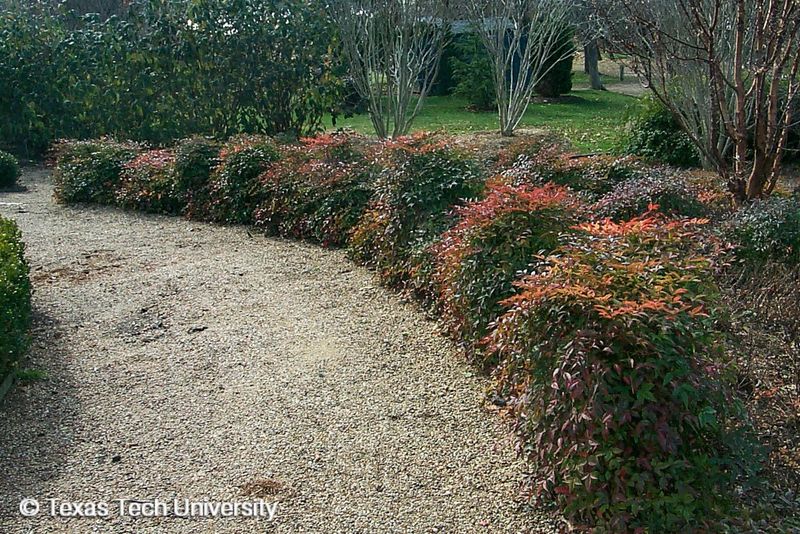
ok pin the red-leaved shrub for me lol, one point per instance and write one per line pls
(148, 183)
(318, 190)
(421, 180)
(610, 364)
(495, 239)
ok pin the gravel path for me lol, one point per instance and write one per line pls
(186, 360)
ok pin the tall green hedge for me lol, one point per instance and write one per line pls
(15, 297)
(163, 70)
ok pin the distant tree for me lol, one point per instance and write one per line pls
(393, 48)
(524, 41)
(728, 70)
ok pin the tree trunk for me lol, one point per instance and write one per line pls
(591, 59)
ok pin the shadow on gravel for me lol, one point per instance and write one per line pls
(37, 419)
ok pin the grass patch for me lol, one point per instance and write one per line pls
(30, 375)
(591, 120)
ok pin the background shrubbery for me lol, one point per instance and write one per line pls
(15, 297)
(602, 337)
(767, 229)
(9, 170)
(161, 70)
(654, 134)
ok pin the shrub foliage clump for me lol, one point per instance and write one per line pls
(420, 183)
(318, 191)
(655, 135)
(235, 189)
(591, 176)
(495, 239)
(660, 186)
(609, 362)
(148, 183)
(9, 170)
(15, 297)
(767, 229)
(195, 159)
(90, 171)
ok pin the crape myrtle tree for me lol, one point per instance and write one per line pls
(393, 48)
(524, 41)
(728, 72)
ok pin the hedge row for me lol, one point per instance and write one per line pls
(15, 298)
(599, 331)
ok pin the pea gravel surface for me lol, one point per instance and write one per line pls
(179, 360)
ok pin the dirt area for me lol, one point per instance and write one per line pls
(625, 82)
(185, 360)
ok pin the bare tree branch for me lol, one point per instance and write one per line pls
(394, 48)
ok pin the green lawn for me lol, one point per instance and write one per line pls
(591, 120)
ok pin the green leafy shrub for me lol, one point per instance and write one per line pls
(767, 229)
(557, 80)
(669, 190)
(495, 239)
(592, 176)
(318, 191)
(148, 183)
(472, 73)
(90, 171)
(162, 70)
(654, 135)
(235, 190)
(610, 362)
(15, 297)
(421, 181)
(9, 170)
(195, 159)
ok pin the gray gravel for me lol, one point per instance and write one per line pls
(193, 361)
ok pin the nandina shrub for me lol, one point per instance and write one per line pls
(421, 181)
(90, 171)
(495, 239)
(9, 170)
(195, 159)
(767, 229)
(670, 190)
(15, 297)
(527, 147)
(318, 190)
(592, 176)
(148, 183)
(235, 189)
(610, 363)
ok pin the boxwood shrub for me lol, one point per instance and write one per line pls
(610, 363)
(9, 170)
(15, 297)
